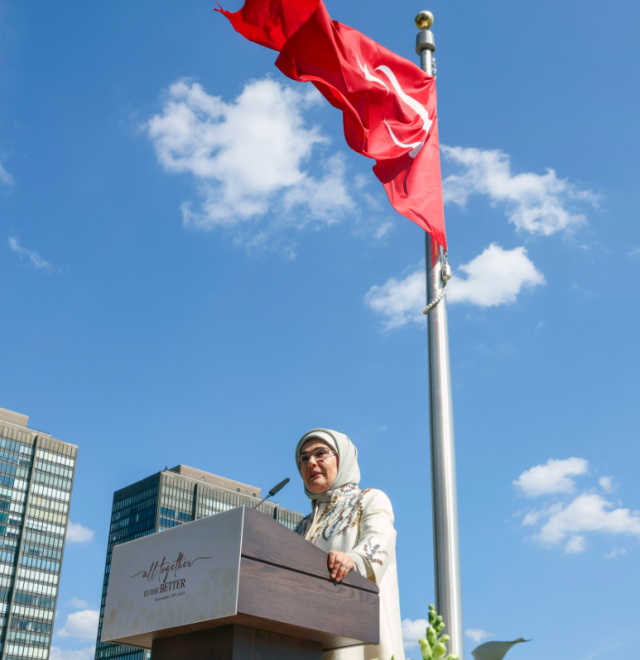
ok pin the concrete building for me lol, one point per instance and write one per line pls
(36, 481)
(167, 499)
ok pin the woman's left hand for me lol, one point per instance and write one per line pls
(340, 563)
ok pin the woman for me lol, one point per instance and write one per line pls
(355, 527)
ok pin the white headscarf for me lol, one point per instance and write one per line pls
(348, 470)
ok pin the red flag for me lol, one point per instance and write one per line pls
(388, 103)
(270, 22)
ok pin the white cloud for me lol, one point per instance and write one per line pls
(82, 624)
(374, 224)
(77, 533)
(588, 512)
(552, 477)
(400, 301)
(607, 485)
(36, 260)
(326, 198)
(534, 516)
(615, 552)
(412, 631)
(5, 177)
(477, 635)
(87, 653)
(494, 277)
(634, 253)
(382, 228)
(79, 604)
(568, 522)
(535, 203)
(247, 156)
(374, 227)
(576, 543)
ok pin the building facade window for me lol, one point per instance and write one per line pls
(36, 481)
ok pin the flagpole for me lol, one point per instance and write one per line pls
(444, 495)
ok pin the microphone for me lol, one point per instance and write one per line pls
(273, 491)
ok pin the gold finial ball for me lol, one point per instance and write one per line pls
(424, 20)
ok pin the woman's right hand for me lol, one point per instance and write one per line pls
(340, 563)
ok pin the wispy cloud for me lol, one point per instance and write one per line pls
(5, 177)
(412, 631)
(536, 203)
(576, 543)
(33, 257)
(87, 653)
(247, 158)
(607, 485)
(634, 253)
(477, 635)
(494, 277)
(615, 553)
(602, 650)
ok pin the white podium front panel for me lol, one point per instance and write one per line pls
(174, 580)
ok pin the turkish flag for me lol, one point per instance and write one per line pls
(388, 103)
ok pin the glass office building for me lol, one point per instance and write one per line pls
(167, 499)
(36, 480)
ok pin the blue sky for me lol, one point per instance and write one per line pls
(195, 269)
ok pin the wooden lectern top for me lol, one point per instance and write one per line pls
(237, 567)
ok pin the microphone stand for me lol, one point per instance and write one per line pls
(273, 491)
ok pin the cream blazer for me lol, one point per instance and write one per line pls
(360, 523)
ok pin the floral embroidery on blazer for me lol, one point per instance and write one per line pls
(303, 526)
(370, 550)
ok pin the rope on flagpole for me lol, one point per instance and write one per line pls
(446, 276)
(433, 303)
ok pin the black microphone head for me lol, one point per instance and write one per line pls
(279, 487)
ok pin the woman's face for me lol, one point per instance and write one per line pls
(319, 465)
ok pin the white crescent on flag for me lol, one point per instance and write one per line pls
(416, 106)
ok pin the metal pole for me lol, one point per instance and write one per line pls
(444, 495)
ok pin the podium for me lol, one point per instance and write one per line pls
(234, 586)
